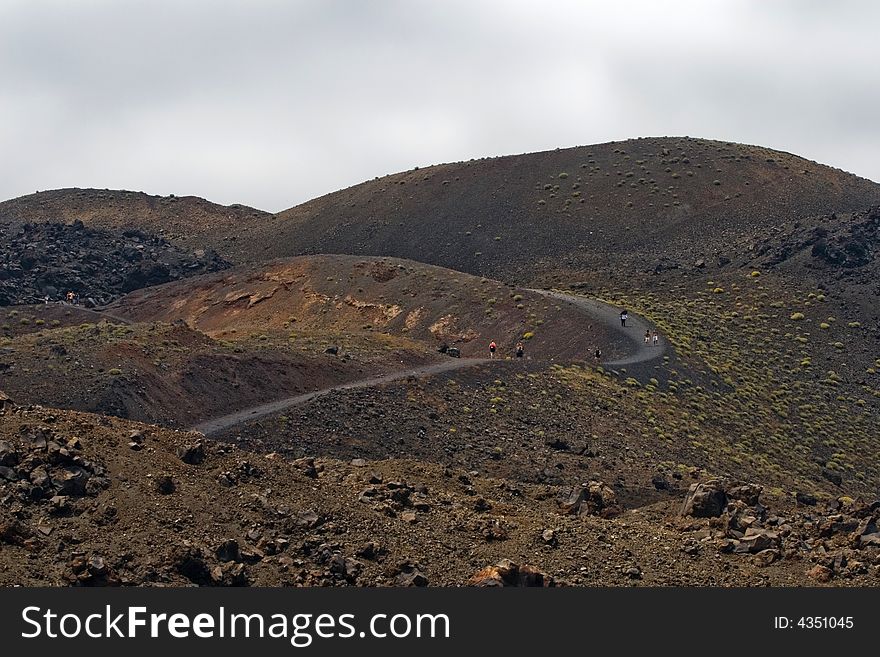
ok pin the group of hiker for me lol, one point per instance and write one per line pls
(652, 338)
(519, 351)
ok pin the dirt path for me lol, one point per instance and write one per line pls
(597, 310)
(610, 316)
(216, 425)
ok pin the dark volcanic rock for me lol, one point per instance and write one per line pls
(705, 500)
(48, 260)
(593, 498)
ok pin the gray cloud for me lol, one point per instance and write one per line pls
(271, 102)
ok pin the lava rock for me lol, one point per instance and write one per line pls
(509, 573)
(593, 498)
(705, 500)
(410, 575)
(192, 454)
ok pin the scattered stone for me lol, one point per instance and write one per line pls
(8, 455)
(48, 259)
(165, 485)
(820, 573)
(306, 465)
(746, 493)
(370, 551)
(192, 453)
(660, 482)
(548, 537)
(633, 572)
(766, 557)
(410, 575)
(509, 573)
(90, 571)
(13, 532)
(755, 540)
(190, 562)
(481, 504)
(136, 440)
(705, 500)
(229, 574)
(228, 551)
(806, 499)
(593, 498)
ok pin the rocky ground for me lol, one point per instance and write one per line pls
(51, 259)
(744, 454)
(93, 501)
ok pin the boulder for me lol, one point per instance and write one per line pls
(509, 573)
(806, 499)
(747, 493)
(820, 573)
(705, 500)
(756, 540)
(165, 485)
(8, 455)
(593, 498)
(192, 453)
(228, 551)
(410, 575)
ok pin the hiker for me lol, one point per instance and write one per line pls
(70, 296)
(492, 348)
(647, 337)
(624, 315)
(598, 354)
(520, 349)
(655, 339)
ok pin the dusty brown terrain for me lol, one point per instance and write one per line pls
(175, 376)
(90, 500)
(350, 294)
(743, 453)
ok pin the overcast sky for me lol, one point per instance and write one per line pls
(272, 102)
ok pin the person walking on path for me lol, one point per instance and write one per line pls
(520, 349)
(492, 348)
(598, 354)
(655, 339)
(647, 337)
(624, 315)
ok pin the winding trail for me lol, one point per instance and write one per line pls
(216, 425)
(609, 315)
(597, 310)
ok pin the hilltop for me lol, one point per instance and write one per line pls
(619, 208)
(331, 295)
(188, 221)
